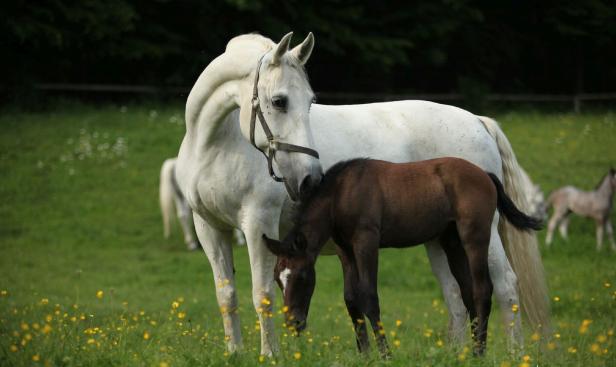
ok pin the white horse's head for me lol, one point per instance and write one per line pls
(284, 97)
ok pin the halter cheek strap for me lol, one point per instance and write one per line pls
(273, 144)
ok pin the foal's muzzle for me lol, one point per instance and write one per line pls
(297, 325)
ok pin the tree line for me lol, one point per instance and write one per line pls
(506, 46)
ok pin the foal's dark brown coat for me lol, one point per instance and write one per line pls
(369, 204)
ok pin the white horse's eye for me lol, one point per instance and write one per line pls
(280, 102)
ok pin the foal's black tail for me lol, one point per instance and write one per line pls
(508, 209)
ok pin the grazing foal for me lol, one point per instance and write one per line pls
(595, 204)
(366, 204)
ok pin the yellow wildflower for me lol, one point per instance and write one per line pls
(24, 326)
(181, 315)
(36, 358)
(163, 364)
(91, 341)
(175, 304)
(439, 343)
(44, 301)
(524, 364)
(397, 343)
(572, 350)
(46, 329)
(14, 348)
(515, 308)
(556, 299)
(535, 337)
(297, 355)
(261, 358)
(595, 348)
(4, 293)
(99, 294)
(266, 301)
(398, 323)
(601, 338)
(526, 358)
(584, 327)
(146, 335)
(551, 346)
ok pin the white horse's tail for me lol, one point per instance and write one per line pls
(521, 247)
(166, 194)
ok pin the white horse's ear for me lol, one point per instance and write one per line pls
(304, 50)
(282, 48)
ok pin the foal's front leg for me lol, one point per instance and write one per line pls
(366, 252)
(352, 300)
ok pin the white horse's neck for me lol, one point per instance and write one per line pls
(222, 87)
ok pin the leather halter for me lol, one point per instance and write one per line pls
(273, 144)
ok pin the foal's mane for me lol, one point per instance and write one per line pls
(327, 183)
(610, 172)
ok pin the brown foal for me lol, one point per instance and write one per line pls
(366, 204)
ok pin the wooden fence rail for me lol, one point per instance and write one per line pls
(575, 99)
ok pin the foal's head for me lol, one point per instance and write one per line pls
(295, 275)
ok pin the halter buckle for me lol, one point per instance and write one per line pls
(273, 144)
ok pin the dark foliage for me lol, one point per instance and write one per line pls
(420, 46)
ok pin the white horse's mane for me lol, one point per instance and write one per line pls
(250, 40)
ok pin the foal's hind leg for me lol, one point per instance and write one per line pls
(352, 299)
(458, 264)
(475, 236)
(560, 211)
(458, 314)
(562, 227)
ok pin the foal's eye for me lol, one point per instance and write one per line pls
(280, 102)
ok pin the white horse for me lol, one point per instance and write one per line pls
(171, 198)
(226, 181)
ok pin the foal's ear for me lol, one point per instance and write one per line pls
(300, 243)
(273, 245)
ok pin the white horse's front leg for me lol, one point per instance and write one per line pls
(262, 263)
(505, 283)
(458, 316)
(217, 247)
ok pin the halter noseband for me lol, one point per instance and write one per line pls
(273, 144)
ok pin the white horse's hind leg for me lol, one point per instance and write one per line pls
(217, 247)
(504, 281)
(262, 263)
(458, 316)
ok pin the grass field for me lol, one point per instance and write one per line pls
(87, 279)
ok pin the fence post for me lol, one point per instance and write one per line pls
(577, 104)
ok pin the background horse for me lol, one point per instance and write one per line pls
(596, 204)
(227, 184)
(367, 204)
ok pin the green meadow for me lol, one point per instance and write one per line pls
(86, 277)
